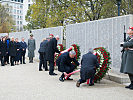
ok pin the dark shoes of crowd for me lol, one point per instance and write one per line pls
(62, 79)
(78, 84)
(130, 87)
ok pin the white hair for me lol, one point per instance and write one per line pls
(72, 52)
(12, 37)
(57, 36)
(91, 50)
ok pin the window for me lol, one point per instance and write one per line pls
(14, 16)
(21, 22)
(21, 6)
(17, 22)
(21, 1)
(14, 10)
(17, 11)
(28, 5)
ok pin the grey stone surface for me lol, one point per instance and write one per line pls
(106, 33)
(25, 82)
(39, 34)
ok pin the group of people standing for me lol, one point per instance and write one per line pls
(89, 61)
(15, 50)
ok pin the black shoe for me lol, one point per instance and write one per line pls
(20, 62)
(131, 88)
(24, 63)
(40, 70)
(8, 63)
(46, 69)
(78, 84)
(2, 65)
(61, 79)
(52, 74)
(69, 78)
(12, 65)
(91, 84)
(128, 86)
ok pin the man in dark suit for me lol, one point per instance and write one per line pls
(23, 47)
(89, 63)
(50, 51)
(12, 50)
(42, 57)
(64, 63)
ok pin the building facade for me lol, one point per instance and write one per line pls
(16, 11)
(27, 4)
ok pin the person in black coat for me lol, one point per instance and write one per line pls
(18, 55)
(89, 63)
(50, 51)
(12, 50)
(3, 51)
(64, 63)
(7, 55)
(42, 55)
(23, 47)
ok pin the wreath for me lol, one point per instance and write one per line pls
(76, 48)
(60, 48)
(104, 61)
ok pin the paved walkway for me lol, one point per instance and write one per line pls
(25, 82)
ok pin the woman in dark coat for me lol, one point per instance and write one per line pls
(18, 54)
(12, 50)
(3, 51)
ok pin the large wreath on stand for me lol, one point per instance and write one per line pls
(104, 60)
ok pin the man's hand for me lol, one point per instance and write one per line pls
(23, 49)
(17, 49)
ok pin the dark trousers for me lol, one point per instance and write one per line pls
(22, 58)
(91, 77)
(31, 59)
(12, 59)
(42, 61)
(3, 59)
(69, 69)
(51, 66)
(131, 78)
(7, 58)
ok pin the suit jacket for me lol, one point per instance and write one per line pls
(3, 48)
(23, 45)
(51, 49)
(43, 46)
(88, 63)
(12, 48)
(65, 61)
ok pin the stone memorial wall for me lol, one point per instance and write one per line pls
(106, 33)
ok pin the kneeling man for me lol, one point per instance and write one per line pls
(89, 63)
(64, 63)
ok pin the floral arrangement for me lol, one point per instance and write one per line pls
(60, 48)
(76, 48)
(104, 60)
